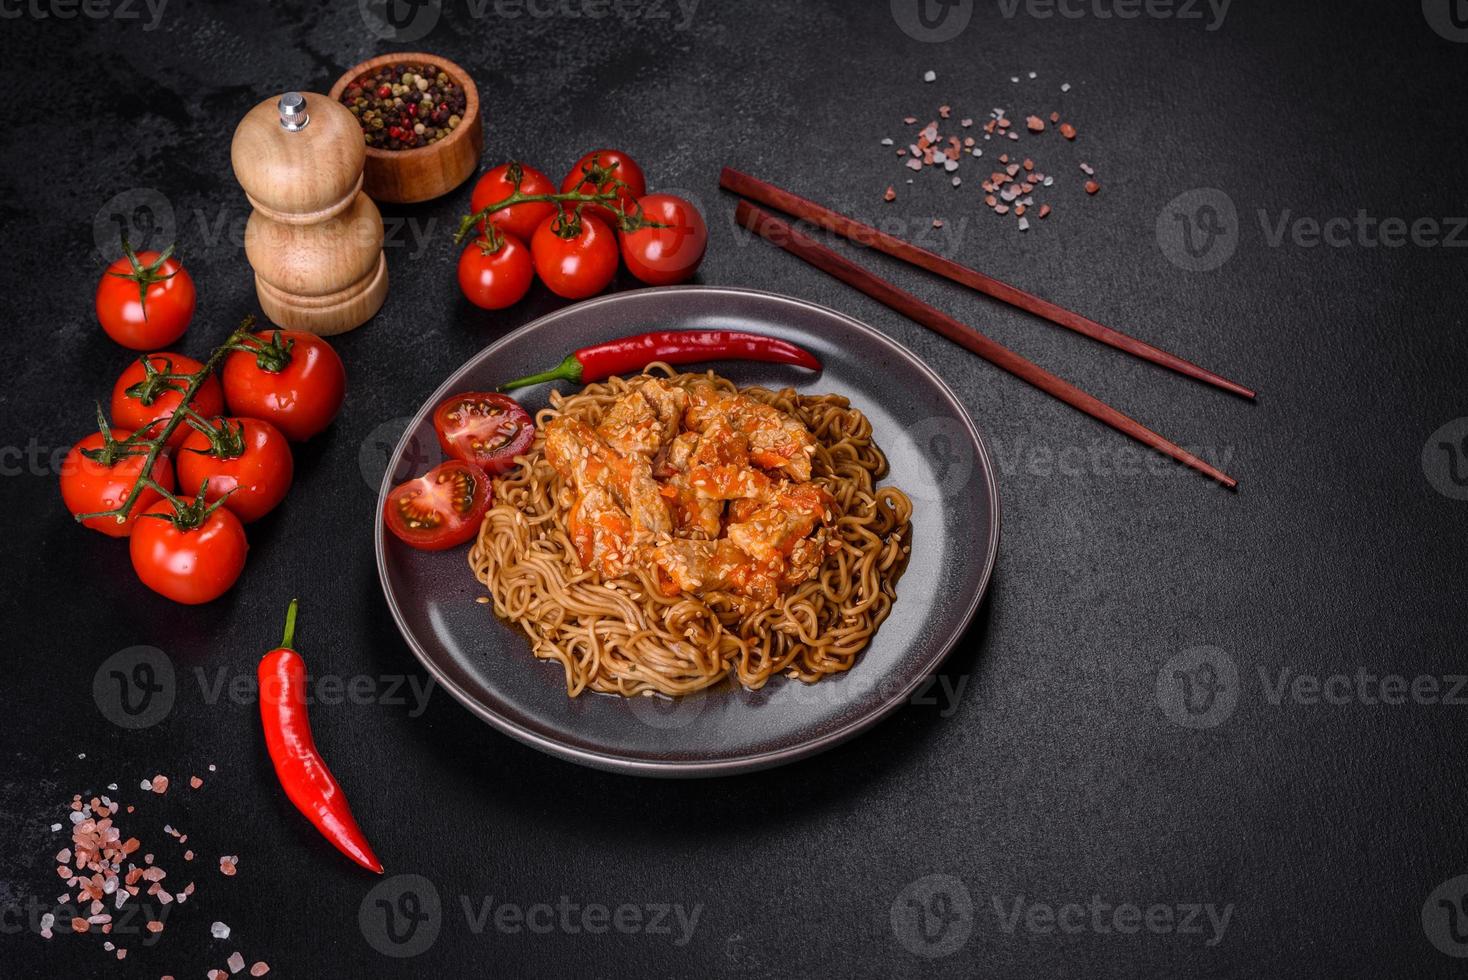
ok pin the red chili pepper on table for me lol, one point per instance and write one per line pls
(302, 772)
(675, 347)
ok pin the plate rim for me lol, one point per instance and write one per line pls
(610, 761)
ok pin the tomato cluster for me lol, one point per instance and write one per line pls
(481, 433)
(278, 385)
(572, 239)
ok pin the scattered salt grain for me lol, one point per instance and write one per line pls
(930, 76)
(219, 930)
(1065, 87)
(259, 969)
(236, 962)
(1024, 224)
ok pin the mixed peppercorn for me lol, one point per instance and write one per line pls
(402, 107)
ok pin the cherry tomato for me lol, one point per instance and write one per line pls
(663, 256)
(579, 266)
(155, 399)
(598, 169)
(493, 280)
(192, 565)
(440, 509)
(252, 458)
(519, 220)
(294, 381)
(484, 428)
(88, 485)
(145, 300)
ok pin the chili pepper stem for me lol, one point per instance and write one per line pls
(290, 625)
(567, 370)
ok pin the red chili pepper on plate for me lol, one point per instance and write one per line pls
(675, 347)
(302, 772)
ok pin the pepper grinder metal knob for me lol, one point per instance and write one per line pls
(293, 114)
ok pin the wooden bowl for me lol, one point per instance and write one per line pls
(424, 172)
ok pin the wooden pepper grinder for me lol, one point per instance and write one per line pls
(314, 239)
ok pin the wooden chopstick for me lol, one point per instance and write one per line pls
(778, 232)
(864, 234)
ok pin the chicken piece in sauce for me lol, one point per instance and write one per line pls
(711, 488)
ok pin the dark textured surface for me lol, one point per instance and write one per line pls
(1056, 775)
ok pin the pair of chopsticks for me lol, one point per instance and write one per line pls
(780, 233)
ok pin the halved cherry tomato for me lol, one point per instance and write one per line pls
(248, 456)
(140, 397)
(671, 254)
(576, 258)
(519, 220)
(189, 565)
(599, 169)
(145, 300)
(484, 428)
(440, 509)
(294, 380)
(89, 485)
(494, 277)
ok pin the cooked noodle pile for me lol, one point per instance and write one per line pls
(624, 636)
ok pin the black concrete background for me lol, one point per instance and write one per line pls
(1055, 775)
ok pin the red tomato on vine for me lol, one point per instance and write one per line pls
(145, 300)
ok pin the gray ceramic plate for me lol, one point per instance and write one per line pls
(937, 457)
